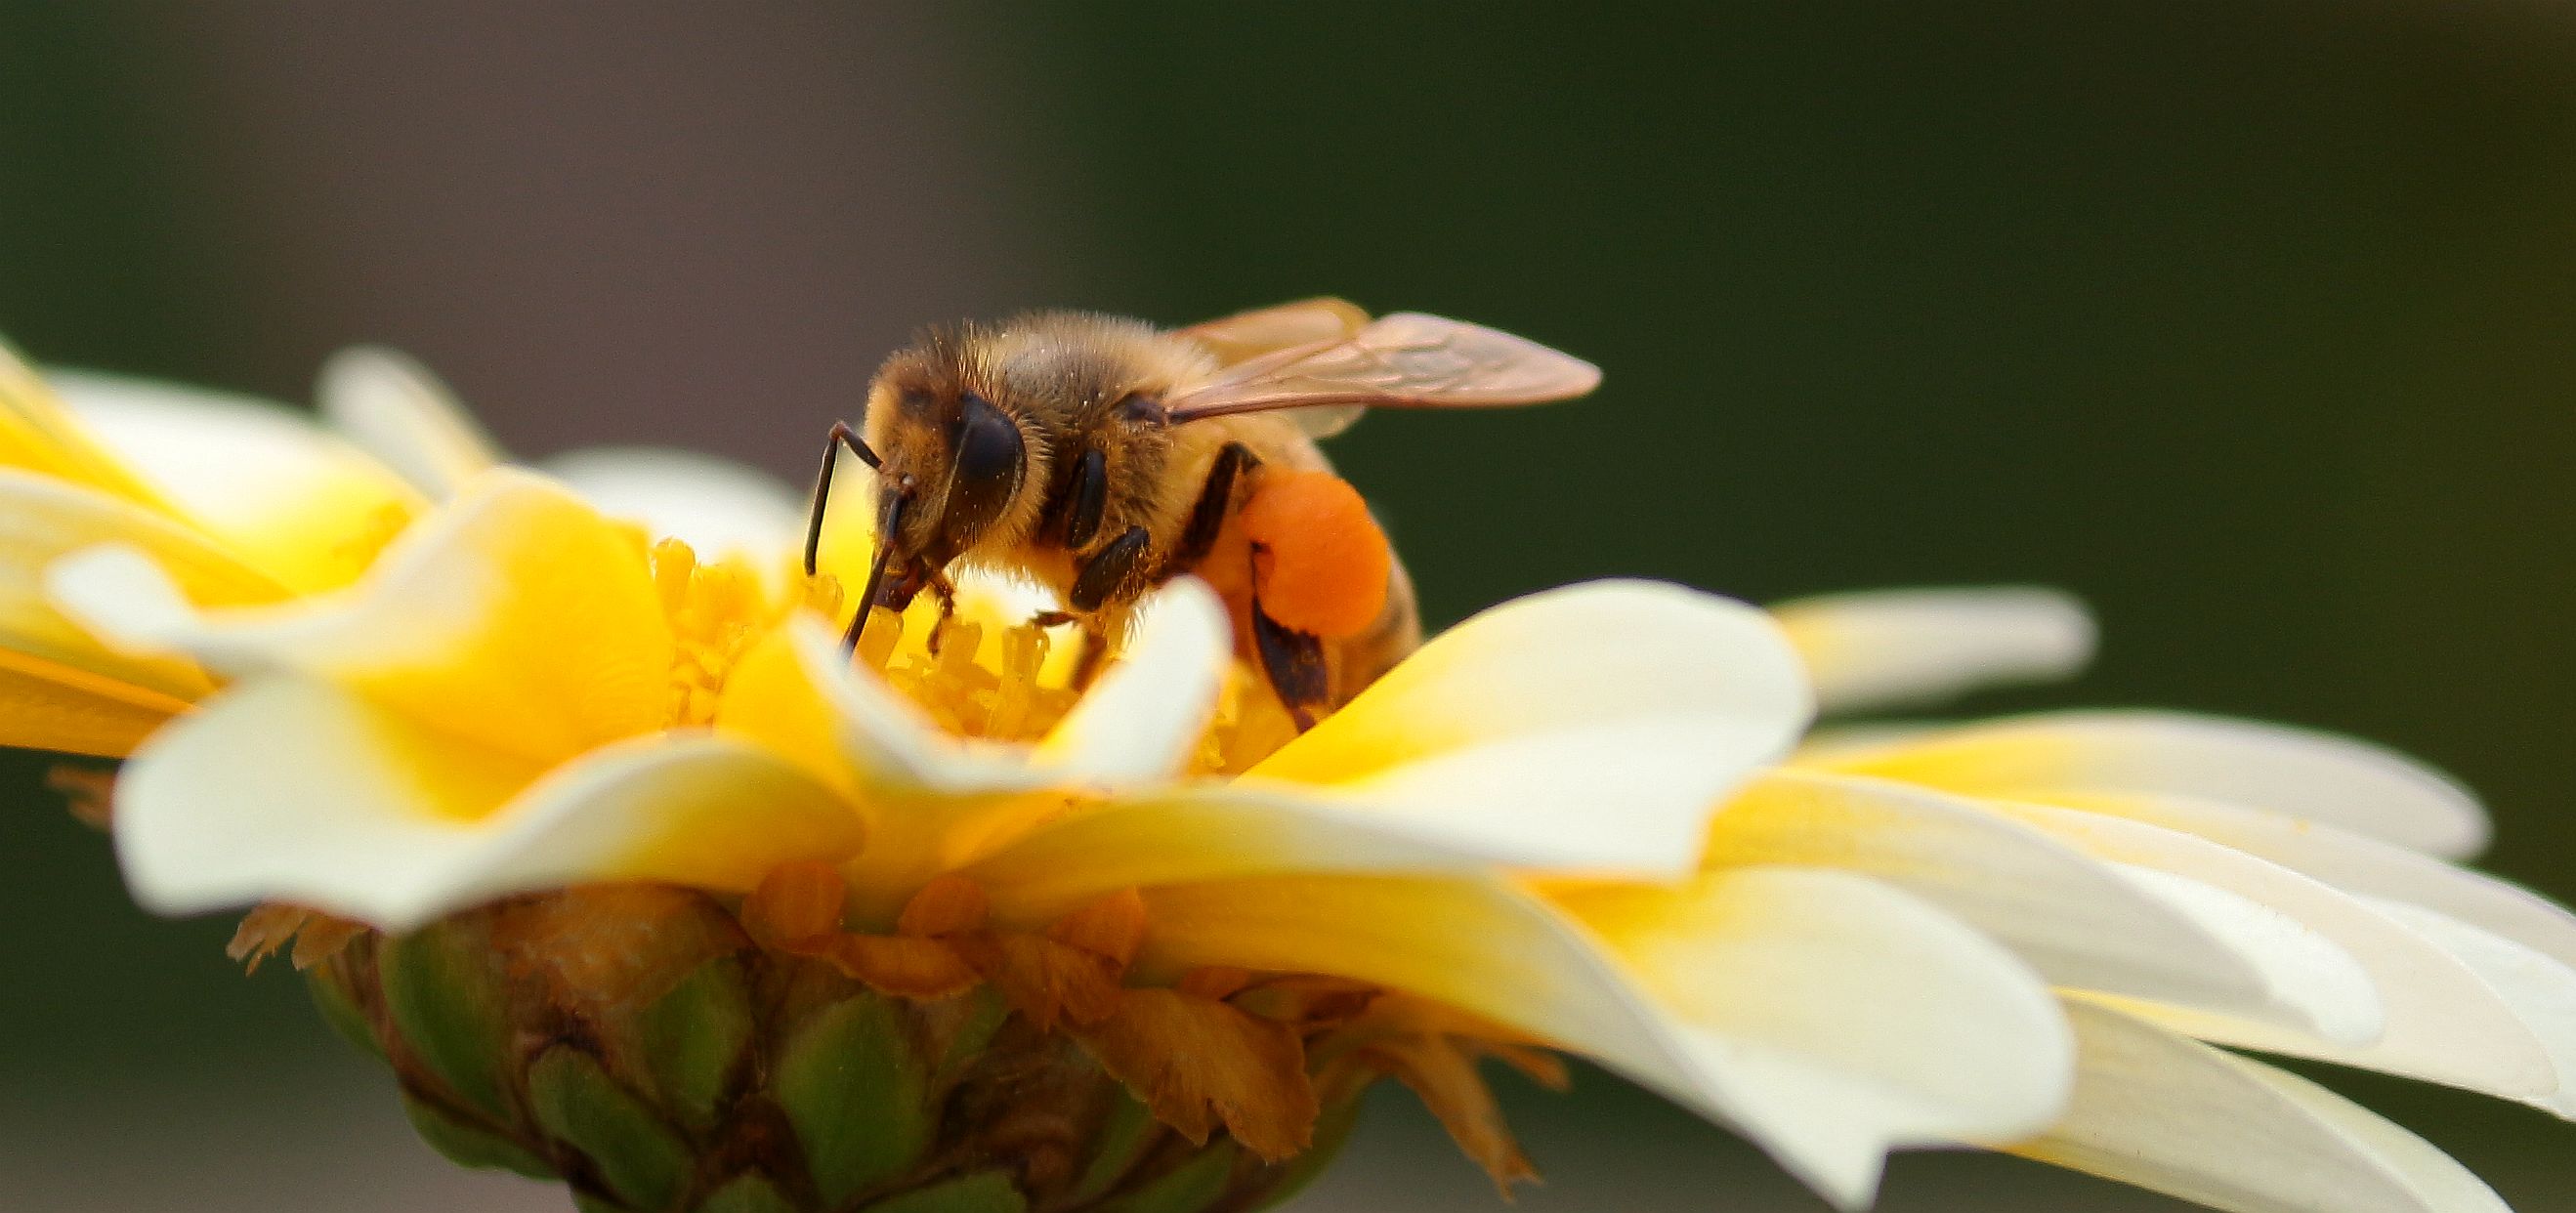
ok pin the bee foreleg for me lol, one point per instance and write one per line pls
(1110, 572)
(945, 591)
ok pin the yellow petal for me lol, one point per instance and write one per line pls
(292, 790)
(39, 435)
(1180, 838)
(393, 407)
(516, 617)
(45, 706)
(43, 520)
(770, 698)
(2168, 1114)
(1833, 1017)
(276, 489)
(936, 799)
(1588, 729)
(1893, 648)
(2336, 780)
(1140, 720)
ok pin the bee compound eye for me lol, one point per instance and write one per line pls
(991, 458)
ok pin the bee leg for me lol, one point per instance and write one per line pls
(1207, 517)
(842, 437)
(1110, 571)
(1052, 619)
(1293, 661)
(945, 591)
(1095, 654)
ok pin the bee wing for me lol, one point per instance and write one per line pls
(1244, 336)
(1404, 360)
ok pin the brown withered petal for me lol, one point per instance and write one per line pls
(1214, 981)
(1111, 927)
(897, 964)
(1442, 1071)
(263, 931)
(322, 938)
(1047, 982)
(796, 901)
(1188, 1058)
(90, 792)
(948, 905)
(1538, 1065)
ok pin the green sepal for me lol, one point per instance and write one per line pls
(751, 1193)
(342, 1012)
(584, 1202)
(444, 997)
(696, 1036)
(1123, 1138)
(1190, 1187)
(469, 1145)
(986, 1010)
(982, 1192)
(640, 1159)
(854, 1091)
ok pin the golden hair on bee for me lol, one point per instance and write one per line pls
(1101, 457)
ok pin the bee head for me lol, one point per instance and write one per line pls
(955, 466)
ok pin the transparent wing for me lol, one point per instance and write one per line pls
(1405, 360)
(1244, 336)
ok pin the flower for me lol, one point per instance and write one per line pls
(592, 831)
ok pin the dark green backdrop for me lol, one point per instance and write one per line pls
(2249, 322)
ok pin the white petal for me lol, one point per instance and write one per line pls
(280, 491)
(2357, 863)
(1140, 719)
(1834, 1017)
(285, 789)
(1893, 648)
(2443, 1023)
(2303, 968)
(393, 407)
(718, 507)
(1588, 729)
(2164, 1113)
(2336, 780)
(2079, 921)
(2540, 989)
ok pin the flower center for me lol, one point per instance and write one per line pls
(715, 611)
(990, 671)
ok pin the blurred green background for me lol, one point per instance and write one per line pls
(2250, 322)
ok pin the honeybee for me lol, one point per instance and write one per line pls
(1101, 457)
